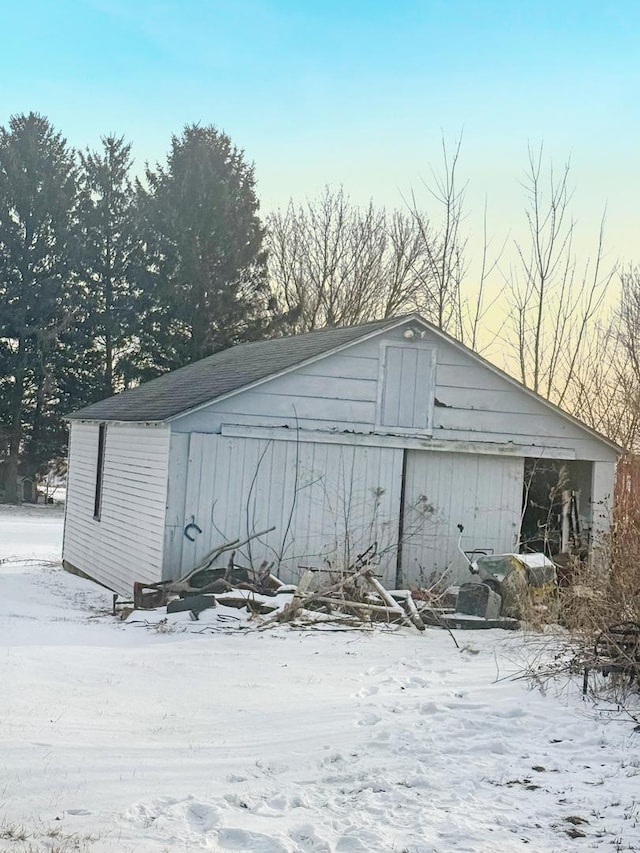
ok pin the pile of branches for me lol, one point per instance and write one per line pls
(355, 592)
(203, 586)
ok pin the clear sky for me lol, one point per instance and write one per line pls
(352, 92)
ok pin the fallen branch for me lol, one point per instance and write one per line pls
(395, 612)
(389, 601)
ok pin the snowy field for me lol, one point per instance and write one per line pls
(120, 737)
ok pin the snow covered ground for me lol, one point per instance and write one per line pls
(120, 737)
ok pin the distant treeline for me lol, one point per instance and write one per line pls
(107, 280)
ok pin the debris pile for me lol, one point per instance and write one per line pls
(355, 593)
(353, 597)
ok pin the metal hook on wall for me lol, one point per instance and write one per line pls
(192, 526)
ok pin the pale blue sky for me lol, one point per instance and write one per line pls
(350, 92)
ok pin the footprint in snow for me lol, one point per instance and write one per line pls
(430, 708)
(363, 842)
(417, 681)
(145, 814)
(371, 690)
(307, 841)
(202, 817)
(369, 720)
(241, 841)
(236, 777)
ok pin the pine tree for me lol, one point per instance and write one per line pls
(111, 261)
(207, 278)
(38, 251)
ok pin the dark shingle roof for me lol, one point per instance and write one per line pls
(229, 370)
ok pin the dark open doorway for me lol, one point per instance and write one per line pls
(556, 506)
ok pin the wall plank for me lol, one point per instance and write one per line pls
(340, 393)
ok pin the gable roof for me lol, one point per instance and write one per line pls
(241, 366)
(204, 381)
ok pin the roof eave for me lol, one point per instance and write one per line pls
(390, 326)
(119, 421)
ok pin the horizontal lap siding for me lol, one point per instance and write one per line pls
(126, 544)
(340, 392)
(475, 404)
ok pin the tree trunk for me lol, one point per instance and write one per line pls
(15, 432)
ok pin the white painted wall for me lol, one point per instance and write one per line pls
(344, 393)
(212, 478)
(320, 495)
(316, 495)
(602, 493)
(126, 544)
(406, 387)
(483, 493)
(341, 392)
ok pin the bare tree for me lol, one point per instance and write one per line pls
(607, 395)
(440, 277)
(555, 302)
(597, 396)
(453, 292)
(332, 263)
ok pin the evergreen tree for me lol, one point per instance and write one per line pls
(207, 277)
(38, 253)
(110, 258)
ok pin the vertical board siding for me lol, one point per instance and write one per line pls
(325, 501)
(483, 493)
(393, 393)
(602, 501)
(423, 391)
(126, 543)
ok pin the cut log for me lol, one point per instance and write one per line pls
(406, 599)
(393, 613)
(292, 609)
(388, 600)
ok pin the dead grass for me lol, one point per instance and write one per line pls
(17, 838)
(601, 593)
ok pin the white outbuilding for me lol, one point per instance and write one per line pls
(390, 433)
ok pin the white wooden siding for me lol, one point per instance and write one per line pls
(341, 392)
(406, 392)
(231, 484)
(442, 490)
(126, 544)
(316, 495)
(602, 491)
(474, 403)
